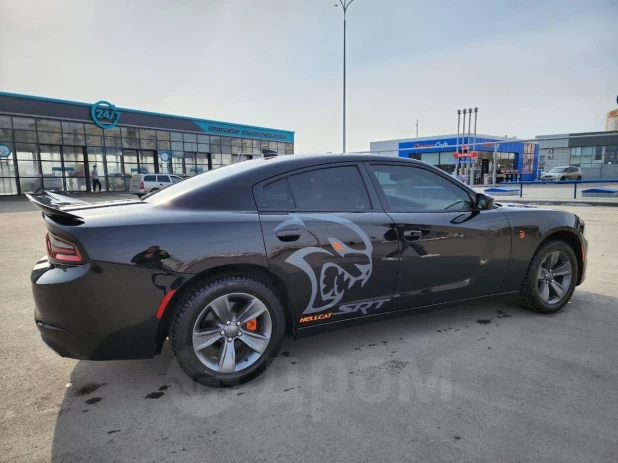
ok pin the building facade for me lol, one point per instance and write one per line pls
(595, 152)
(514, 159)
(48, 144)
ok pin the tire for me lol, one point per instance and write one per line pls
(153, 190)
(579, 177)
(562, 179)
(533, 288)
(195, 314)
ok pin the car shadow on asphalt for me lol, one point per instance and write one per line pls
(149, 410)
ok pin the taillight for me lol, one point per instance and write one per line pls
(62, 250)
(141, 185)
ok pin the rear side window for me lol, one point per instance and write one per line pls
(331, 189)
(278, 195)
(163, 178)
(150, 178)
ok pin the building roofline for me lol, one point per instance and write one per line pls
(440, 137)
(137, 111)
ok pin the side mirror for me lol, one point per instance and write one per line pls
(484, 202)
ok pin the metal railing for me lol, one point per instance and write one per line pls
(555, 183)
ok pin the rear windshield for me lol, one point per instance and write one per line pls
(216, 175)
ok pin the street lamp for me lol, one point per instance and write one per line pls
(345, 4)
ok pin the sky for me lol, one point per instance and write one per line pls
(531, 67)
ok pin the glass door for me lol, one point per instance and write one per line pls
(74, 169)
(51, 168)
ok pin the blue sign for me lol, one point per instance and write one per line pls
(105, 114)
(5, 151)
(244, 131)
(164, 156)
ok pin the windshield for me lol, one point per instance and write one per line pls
(177, 189)
(557, 170)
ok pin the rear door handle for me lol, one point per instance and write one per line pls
(289, 234)
(412, 235)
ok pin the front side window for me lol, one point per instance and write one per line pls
(163, 178)
(410, 188)
(332, 189)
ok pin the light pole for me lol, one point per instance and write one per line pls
(345, 4)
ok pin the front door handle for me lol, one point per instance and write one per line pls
(289, 234)
(412, 235)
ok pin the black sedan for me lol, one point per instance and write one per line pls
(228, 263)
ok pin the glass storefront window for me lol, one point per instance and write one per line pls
(94, 140)
(76, 128)
(24, 123)
(129, 132)
(27, 160)
(73, 139)
(147, 133)
(146, 162)
(5, 122)
(175, 136)
(203, 148)
(164, 145)
(92, 129)
(50, 153)
(150, 143)
(130, 143)
(587, 153)
(6, 135)
(216, 158)
(25, 136)
(113, 140)
(215, 149)
(95, 156)
(189, 137)
(611, 154)
(130, 156)
(190, 146)
(8, 186)
(50, 138)
(236, 149)
(227, 158)
(177, 167)
(599, 155)
(226, 141)
(247, 146)
(201, 159)
(177, 146)
(215, 140)
(203, 139)
(47, 125)
(163, 136)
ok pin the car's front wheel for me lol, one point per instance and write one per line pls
(227, 330)
(579, 177)
(562, 178)
(551, 278)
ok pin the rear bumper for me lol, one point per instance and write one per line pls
(99, 311)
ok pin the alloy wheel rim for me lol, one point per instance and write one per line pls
(221, 339)
(555, 277)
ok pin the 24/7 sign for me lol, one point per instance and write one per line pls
(105, 115)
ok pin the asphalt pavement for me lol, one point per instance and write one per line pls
(480, 382)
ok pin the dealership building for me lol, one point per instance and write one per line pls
(49, 144)
(515, 160)
(595, 152)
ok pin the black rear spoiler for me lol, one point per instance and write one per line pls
(51, 204)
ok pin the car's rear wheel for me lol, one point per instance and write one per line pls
(551, 278)
(227, 330)
(579, 177)
(153, 190)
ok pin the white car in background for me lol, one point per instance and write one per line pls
(563, 173)
(142, 184)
